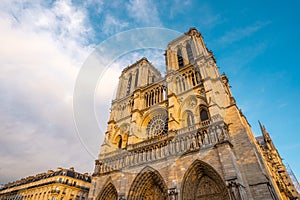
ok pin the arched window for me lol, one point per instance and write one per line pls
(178, 83)
(193, 78)
(189, 53)
(183, 83)
(203, 114)
(119, 140)
(129, 84)
(146, 98)
(179, 58)
(136, 78)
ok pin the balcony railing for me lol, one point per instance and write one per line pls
(194, 138)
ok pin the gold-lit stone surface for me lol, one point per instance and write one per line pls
(53, 185)
(182, 136)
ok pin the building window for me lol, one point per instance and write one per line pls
(178, 84)
(136, 78)
(203, 114)
(189, 53)
(179, 58)
(154, 96)
(119, 141)
(129, 84)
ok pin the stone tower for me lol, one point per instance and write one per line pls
(181, 136)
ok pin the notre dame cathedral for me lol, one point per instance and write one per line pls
(183, 137)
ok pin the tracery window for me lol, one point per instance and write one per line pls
(179, 58)
(158, 125)
(189, 53)
(129, 84)
(154, 96)
(186, 80)
(136, 78)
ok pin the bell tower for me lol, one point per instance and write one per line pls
(182, 136)
(192, 71)
(126, 108)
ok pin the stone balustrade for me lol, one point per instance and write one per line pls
(190, 139)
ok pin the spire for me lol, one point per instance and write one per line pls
(266, 136)
(264, 132)
(261, 126)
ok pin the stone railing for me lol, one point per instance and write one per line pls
(181, 142)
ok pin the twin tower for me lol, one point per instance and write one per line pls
(182, 136)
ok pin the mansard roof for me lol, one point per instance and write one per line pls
(59, 172)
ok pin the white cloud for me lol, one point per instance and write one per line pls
(113, 25)
(178, 7)
(42, 49)
(43, 46)
(144, 12)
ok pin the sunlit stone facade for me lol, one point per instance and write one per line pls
(62, 184)
(182, 136)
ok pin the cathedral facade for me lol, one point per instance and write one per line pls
(182, 136)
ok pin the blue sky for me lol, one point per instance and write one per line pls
(45, 43)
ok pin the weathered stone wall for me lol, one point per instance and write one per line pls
(220, 152)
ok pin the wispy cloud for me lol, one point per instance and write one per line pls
(113, 25)
(176, 7)
(239, 33)
(244, 55)
(282, 105)
(144, 12)
(44, 45)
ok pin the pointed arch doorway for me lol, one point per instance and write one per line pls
(148, 185)
(109, 192)
(202, 182)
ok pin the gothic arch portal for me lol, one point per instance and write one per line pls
(148, 185)
(202, 182)
(109, 192)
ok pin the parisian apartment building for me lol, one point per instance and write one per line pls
(61, 184)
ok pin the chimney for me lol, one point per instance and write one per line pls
(58, 169)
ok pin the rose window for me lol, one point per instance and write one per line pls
(158, 125)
